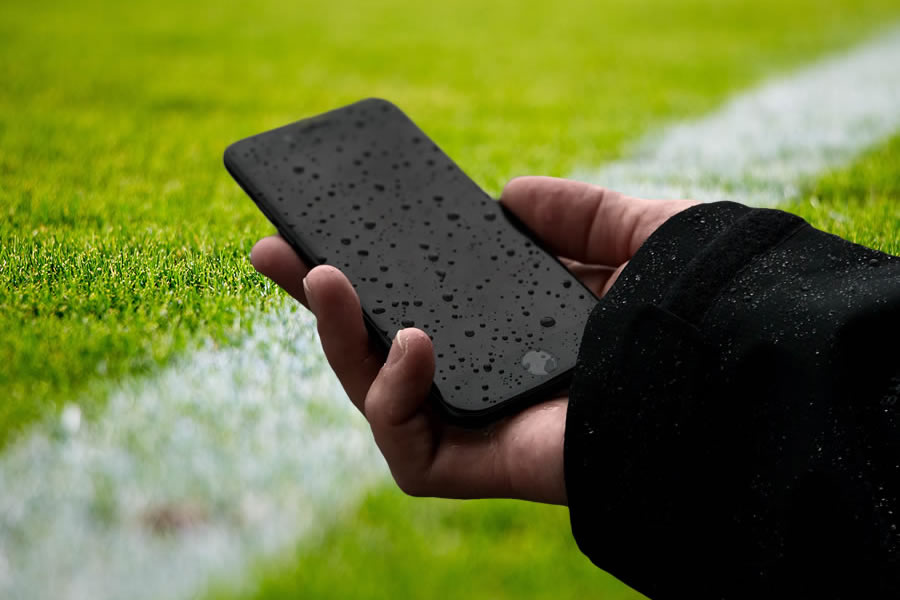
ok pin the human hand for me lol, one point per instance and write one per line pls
(594, 231)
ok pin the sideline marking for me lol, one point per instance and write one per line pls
(231, 455)
(764, 144)
(221, 459)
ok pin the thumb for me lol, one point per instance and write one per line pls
(403, 383)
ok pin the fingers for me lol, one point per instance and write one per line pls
(345, 340)
(521, 457)
(328, 294)
(274, 258)
(585, 222)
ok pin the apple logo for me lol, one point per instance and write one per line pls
(538, 362)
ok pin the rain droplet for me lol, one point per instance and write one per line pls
(453, 216)
(447, 297)
(369, 225)
(469, 333)
(407, 322)
(377, 311)
(345, 241)
(548, 321)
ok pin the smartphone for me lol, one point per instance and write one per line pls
(362, 188)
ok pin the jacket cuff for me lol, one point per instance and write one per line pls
(632, 448)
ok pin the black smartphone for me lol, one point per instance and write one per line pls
(362, 188)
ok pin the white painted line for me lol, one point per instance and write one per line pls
(760, 147)
(221, 459)
(235, 453)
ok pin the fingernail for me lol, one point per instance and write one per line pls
(308, 294)
(398, 348)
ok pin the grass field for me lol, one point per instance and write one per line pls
(124, 243)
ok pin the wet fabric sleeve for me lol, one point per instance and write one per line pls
(732, 427)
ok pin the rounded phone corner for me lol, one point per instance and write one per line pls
(380, 103)
(231, 154)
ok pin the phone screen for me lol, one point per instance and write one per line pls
(364, 189)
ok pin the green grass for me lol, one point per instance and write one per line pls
(860, 203)
(122, 238)
(400, 547)
(123, 241)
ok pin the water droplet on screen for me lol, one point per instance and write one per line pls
(377, 310)
(447, 297)
(469, 333)
(548, 321)
(567, 284)
(453, 216)
(369, 225)
(379, 187)
(490, 217)
(345, 241)
(407, 322)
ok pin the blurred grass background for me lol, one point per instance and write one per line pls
(123, 241)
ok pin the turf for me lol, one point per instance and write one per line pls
(396, 546)
(123, 241)
(860, 203)
(402, 547)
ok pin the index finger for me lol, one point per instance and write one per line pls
(273, 257)
(586, 222)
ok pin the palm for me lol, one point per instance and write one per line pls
(593, 231)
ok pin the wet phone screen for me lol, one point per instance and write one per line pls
(362, 188)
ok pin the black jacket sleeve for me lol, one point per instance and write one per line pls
(732, 427)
